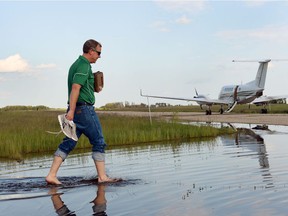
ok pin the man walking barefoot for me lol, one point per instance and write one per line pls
(81, 99)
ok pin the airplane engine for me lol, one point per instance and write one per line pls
(259, 94)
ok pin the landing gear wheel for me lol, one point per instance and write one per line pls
(208, 112)
(264, 111)
(221, 111)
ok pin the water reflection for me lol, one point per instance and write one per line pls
(248, 139)
(59, 206)
(244, 173)
(98, 208)
(248, 136)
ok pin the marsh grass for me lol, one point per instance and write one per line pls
(24, 132)
(129, 130)
(240, 108)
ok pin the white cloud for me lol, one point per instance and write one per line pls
(16, 63)
(2, 79)
(187, 7)
(255, 3)
(161, 26)
(183, 20)
(182, 6)
(46, 66)
(275, 33)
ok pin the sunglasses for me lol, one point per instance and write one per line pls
(99, 53)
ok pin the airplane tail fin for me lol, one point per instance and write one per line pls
(261, 74)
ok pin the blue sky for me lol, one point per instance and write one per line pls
(165, 48)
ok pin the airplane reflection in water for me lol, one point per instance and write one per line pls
(247, 138)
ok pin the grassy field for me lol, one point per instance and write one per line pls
(24, 132)
(245, 108)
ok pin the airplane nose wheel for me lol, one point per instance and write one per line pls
(264, 111)
(208, 112)
(221, 111)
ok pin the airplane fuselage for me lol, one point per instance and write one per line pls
(241, 93)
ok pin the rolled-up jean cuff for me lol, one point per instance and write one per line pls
(99, 208)
(61, 154)
(98, 156)
(64, 211)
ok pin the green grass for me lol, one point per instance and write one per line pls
(129, 130)
(24, 132)
(245, 108)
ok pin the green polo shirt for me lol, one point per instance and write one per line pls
(80, 72)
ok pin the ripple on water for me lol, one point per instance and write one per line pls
(240, 174)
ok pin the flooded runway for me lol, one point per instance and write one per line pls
(241, 174)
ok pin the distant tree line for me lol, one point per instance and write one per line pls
(126, 104)
(115, 105)
(10, 108)
(280, 101)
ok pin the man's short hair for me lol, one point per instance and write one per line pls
(90, 44)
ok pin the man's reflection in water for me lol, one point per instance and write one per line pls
(59, 206)
(100, 201)
(99, 207)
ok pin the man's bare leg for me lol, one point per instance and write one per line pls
(51, 177)
(102, 177)
(100, 197)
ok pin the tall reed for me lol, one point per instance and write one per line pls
(24, 132)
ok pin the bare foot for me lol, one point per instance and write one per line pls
(109, 180)
(52, 180)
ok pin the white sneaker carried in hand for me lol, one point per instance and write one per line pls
(67, 127)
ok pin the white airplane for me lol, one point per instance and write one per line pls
(231, 95)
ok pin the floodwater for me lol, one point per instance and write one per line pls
(241, 174)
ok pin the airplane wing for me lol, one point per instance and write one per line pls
(200, 100)
(267, 99)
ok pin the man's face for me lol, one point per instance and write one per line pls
(95, 53)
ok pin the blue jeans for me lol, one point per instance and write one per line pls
(87, 123)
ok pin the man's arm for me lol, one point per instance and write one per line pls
(73, 100)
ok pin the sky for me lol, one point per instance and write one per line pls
(167, 48)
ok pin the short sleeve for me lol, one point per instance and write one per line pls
(81, 75)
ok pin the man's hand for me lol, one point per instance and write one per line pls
(70, 115)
